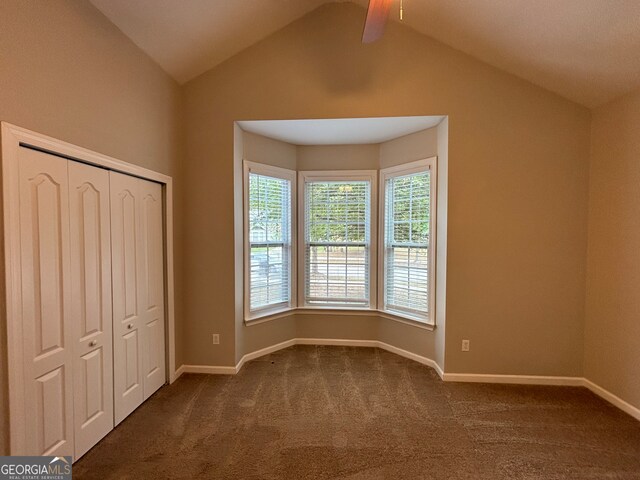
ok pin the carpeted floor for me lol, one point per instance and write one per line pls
(312, 412)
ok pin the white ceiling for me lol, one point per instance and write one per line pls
(339, 131)
(189, 37)
(585, 50)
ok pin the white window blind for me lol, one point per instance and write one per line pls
(337, 242)
(269, 225)
(407, 236)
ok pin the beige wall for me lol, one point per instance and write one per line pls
(260, 149)
(612, 333)
(518, 166)
(416, 146)
(338, 157)
(405, 149)
(348, 327)
(67, 72)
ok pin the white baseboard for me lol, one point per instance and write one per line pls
(338, 342)
(210, 369)
(179, 371)
(374, 344)
(513, 379)
(230, 370)
(264, 351)
(612, 399)
(411, 356)
(545, 380)
(447, 377)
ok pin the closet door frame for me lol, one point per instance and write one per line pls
(14, 138)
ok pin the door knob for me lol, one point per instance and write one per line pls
(93, 343)
(130, 326)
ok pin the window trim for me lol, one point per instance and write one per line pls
(284, 174)
(336, 176)
(417, 166)
(377, 179)
(342, 312)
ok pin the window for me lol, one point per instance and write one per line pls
(336, 238)
(408, 240)
(330, 254)
(269, 259)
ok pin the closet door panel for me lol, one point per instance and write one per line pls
(91, 303)
(47, 332)
(128, 326)
(152, 286)
(51, 414)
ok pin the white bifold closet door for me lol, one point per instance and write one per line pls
(66, 302)
(91, 277)
(138, 291)
(90, 240)
(47, 334)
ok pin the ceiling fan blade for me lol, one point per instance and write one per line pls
(377, 16)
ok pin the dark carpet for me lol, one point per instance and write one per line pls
(312, 412)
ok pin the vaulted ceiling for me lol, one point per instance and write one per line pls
(585, 50)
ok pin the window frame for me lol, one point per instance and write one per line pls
(370, 176)
(418, 166)
(290, 176)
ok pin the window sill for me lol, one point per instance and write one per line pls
(270, 315)
(359, 312)
(406, 319)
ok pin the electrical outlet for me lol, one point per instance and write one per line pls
(215, 337)
(465, 345)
